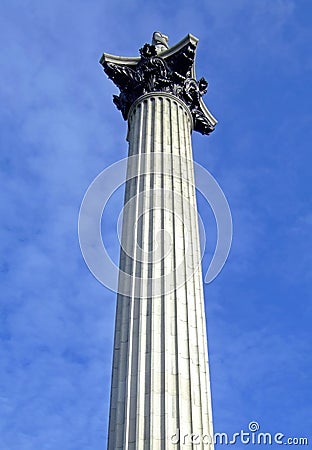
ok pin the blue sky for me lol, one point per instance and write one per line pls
(59, 129)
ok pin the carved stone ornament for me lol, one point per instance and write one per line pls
(161, 69)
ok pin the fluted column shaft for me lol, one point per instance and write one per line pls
(160, 380)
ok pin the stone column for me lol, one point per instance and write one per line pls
(160, 381)
(160, 395)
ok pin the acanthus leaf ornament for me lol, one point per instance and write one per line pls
(161, 69)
